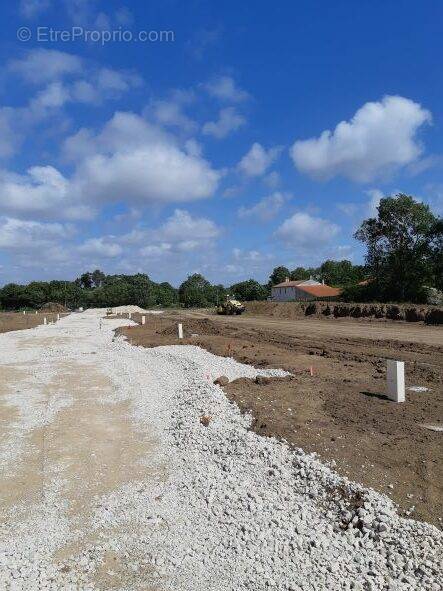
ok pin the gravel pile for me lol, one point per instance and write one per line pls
(221, 508)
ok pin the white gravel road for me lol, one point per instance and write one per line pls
(109, 481)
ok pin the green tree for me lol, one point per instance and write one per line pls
(401, 243)
(12, 296)
(278, 275)
(195, 291)
(341, 273)
(166, 295)
(98, 278)
(437, 253)
(248, 291)
(300, 273)
(85, 281)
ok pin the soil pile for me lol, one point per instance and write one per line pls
(404, 312)
(54, 307)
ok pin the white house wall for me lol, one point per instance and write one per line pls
(289, 294)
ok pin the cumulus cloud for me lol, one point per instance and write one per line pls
(245, 262)
(181, 233)
(381, 137)
(138, 162)
(41, 189)
(63, 79)
(169, 112)
(22, 235)
(101, 247)
(257, 161)
(39, 66)
(266, 209)
(224, 88)
(67, 78)
(182, 227)
(130, 160)
(228, 121)
(307, 231)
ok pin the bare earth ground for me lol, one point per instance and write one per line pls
(340, 411)
(19, 321)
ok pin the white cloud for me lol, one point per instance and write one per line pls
(266, 209)
(170, 113)
(307, 231)
(117, 81)
(130, 160)
(155, 172)
(66, 78)
(272, 179)
(39, 66)
(367, 209)
(102, 247)
(43, 188)
(156, 251)
(380, 138)
(32, 8)
(228, 120)
(54, 96)
(257, 161)
(22, 235)
(250, 256)
(224, 88)
(49, 69)
(374, 201)
(182, 227)
(10, 133)
(181, 233)
(247, 263)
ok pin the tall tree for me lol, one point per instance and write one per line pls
(341, 273)
(248, 291)
(278, 275)
(300, 273)
(195, 291)
(400, 248)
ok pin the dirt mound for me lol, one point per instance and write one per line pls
(434, 316)
(53, 307)
(293, 310)
(190, 327)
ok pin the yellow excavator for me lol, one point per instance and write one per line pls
(230, 307)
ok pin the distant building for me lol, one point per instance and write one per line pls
(303, 290)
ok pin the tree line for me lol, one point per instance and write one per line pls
(96, 289)
(404, 259)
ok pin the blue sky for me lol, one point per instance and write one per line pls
(216, 137)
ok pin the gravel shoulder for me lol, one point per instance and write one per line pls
(121, 486)
(339, 412)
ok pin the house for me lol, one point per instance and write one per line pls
(302, 290)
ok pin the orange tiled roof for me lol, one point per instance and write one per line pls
(320, 290)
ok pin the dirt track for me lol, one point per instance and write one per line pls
(330, 328)
(341, 411)
(18, 321)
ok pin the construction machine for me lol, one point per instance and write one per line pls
(230, 307)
